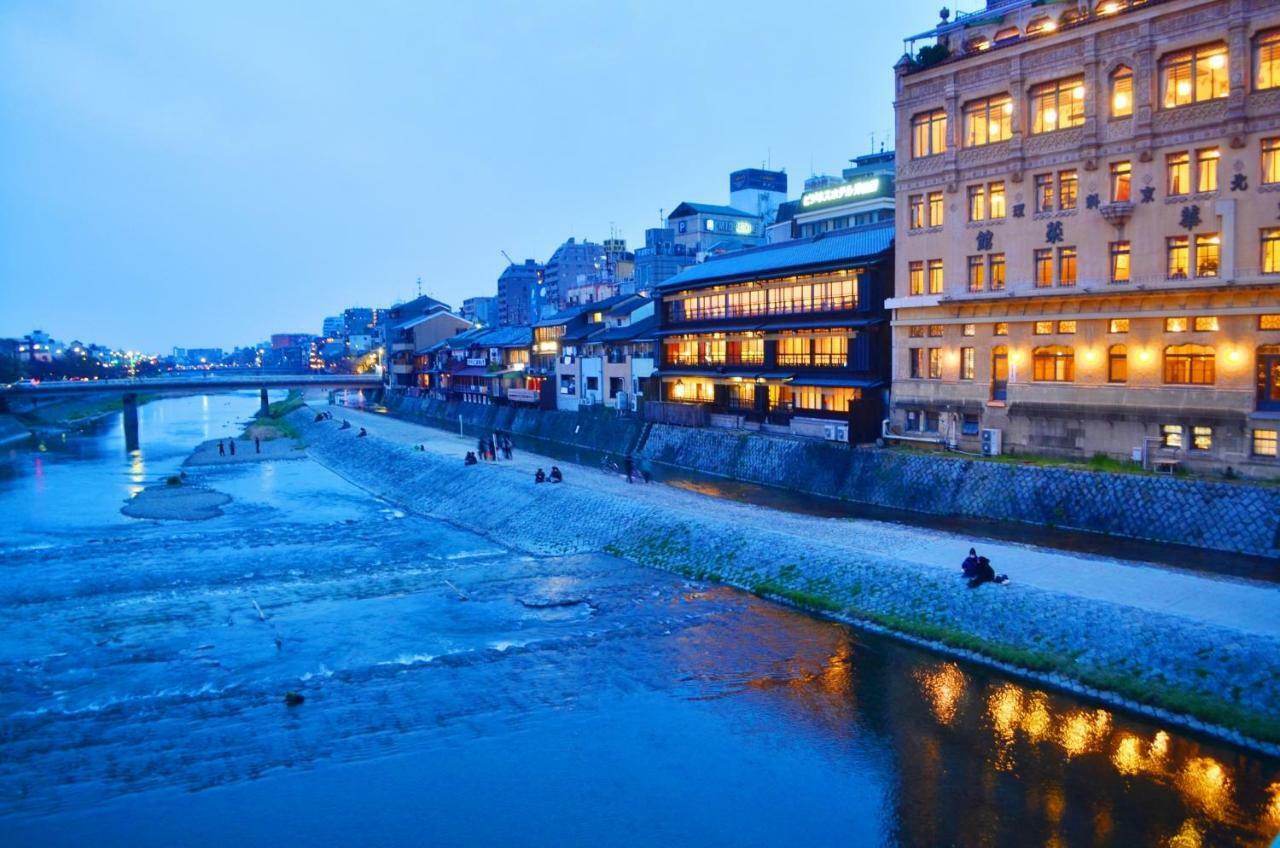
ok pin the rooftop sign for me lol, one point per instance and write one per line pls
(869, 187)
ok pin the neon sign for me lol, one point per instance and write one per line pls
(847, 191)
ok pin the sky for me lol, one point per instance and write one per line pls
(203, 174)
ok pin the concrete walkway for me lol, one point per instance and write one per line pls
(1232, 603)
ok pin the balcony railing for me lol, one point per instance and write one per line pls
(794, 307)
(813, 360)
(714, 361)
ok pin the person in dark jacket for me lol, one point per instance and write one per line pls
(556, 476)
(471, 458)
(986, 574)
(540, 477)
(970, 564)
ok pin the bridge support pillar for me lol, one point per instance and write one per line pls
(130, 402)
(266, 404)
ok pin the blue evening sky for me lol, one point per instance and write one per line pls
(206, 173)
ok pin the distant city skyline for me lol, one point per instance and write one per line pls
(203, 175)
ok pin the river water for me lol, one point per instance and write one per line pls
(460, 694)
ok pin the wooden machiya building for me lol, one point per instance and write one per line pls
(792, 337)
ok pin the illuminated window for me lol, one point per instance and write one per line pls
(1118, 325)
(1271, 250)
(1269, 322)
(1007, 34)
(929, 133)
(1118, 364)
(935, 208)
(916, 332)
(935, 363)
(1043, 328)
(977, 273)
(1122, 92)
(1044, 192)
(1207, 169)
(996, 204)
(1175, 325)
(1171, 435)
(1189, 364)
(1178, 170)
(1120, 261)
(1054, 364)
(1057, 105)
(1068, 327)
(977, 203)
(1271, 161)
(935, 276)
(1266, 442)
(1043, 260)
(1041, 25)
(937, 331)
(1068, 186)
(969, 330)
(988, 120)
(916, 204)
(915, 274)
(997, 271)
(1000, 328)
(966, 363)
(1121, 176)
(1266, 60)
(1205, 324)
(1207, 248)
(1194, 76)
(1066, 266)
(1177, 248)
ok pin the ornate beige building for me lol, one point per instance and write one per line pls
(1088, 232)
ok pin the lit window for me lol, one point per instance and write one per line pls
(1207, 169)
(1202, 438)
(977, 203)
(1189, 364)
(1054, 364)
(1177, 249)
(1066, 266)
(916, 332)
(1266, 60)
(1175, 325)
(1194, 76)
(969, 330)
(1178, 169)
(1270, 161)
(935, 276)
(929, 133)
(1171, 435)
(988, 120)
(1068, 186)
(935, 363)
(935, 208)
(1043, 259)
(916, 205)
(997, 272)
(1044, 192)
(1043, 328)
(1271, 250)
(966, 363)
(937, 331)
(1207, 246)
(915, 359)
(1121, 177)
(1068, 327)
(996, 205)
(1206, 324)
(1120, 257)
(1000, 328)
(1269, 322)
(1122, 92)
(977, 273)
(1057, 105)
(1118, 325)
(1266, 442)
(915, 274)
(1118, 364)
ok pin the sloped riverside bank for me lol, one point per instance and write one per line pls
(1224, 676)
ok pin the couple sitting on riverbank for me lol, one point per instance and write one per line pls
(556, 476)
(977, 570)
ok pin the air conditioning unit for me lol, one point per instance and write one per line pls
(842, 433)
(835, 432)
(991, 442)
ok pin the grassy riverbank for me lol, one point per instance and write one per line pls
(275, 424)
(74, 412)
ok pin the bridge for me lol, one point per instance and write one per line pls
(194, 382)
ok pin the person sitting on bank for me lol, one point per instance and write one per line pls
(986, 574)
(471, 458)
(540, 477)
(970, 564)
(556, 476)
(363, 432)
(346, 425)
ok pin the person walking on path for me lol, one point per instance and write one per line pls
(233, 446)
(222, 449)
(482, 450)
(257, 444)
(629, 466)
(493, 449)
(506, 446)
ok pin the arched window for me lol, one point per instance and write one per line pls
(1007, 34)
(977, 44)
(1122, 92)
(1041, 25)
(1053, 364)
(1189, 364)
(1118, 364)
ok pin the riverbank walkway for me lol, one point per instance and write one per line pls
(1245, 606)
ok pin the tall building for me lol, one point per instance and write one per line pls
(1088, 250)
(660, 258)
(519, 293)
(705, 229)
(758, 191)
(574, 264)
(481, 310)
(333, 327)
(864, 195)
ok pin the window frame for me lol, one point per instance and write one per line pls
(929, 126)
(1190, 364)
(1118, 363)
(1269, 41)
(1118, 250)
(1053, 364)
(1056, 92)
(1192, 58)
(978, 113)
(1122, 76)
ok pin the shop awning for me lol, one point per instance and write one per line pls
(837, 382)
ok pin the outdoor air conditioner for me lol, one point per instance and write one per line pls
(835, 432)
(991, 442)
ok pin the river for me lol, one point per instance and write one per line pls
(457, 693)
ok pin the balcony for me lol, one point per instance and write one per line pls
(814, 360)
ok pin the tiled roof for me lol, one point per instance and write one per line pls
(635, 330)
(687, 208)
(851, 246)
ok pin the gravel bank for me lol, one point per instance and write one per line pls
(182, 503)
(1226, 677)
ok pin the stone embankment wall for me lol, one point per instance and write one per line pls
(1232, 517)
(1223, 676)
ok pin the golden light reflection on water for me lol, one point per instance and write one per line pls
(943, 687)
(1205, 781)
(1272, 815)
(1188, 836)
